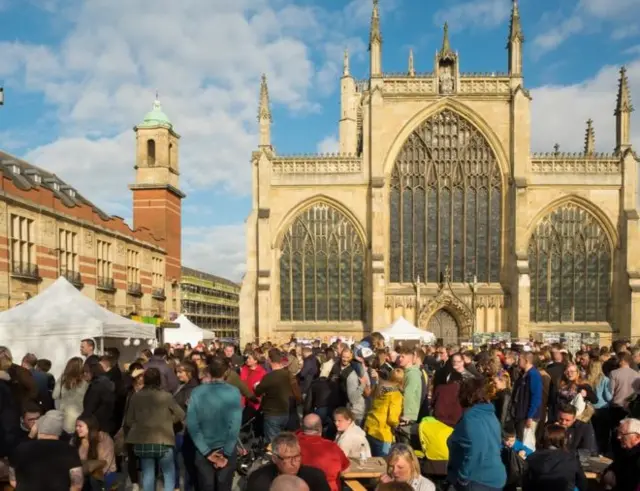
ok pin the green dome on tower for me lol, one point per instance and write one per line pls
(156, 117)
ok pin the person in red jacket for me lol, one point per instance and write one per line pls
(321, 453)
(251, 374)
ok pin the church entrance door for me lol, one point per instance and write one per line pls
(444, 326)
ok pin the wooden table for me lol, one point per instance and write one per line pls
(372, 468)
(595, 466)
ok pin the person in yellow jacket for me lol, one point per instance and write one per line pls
(384, 416)
(433, 439)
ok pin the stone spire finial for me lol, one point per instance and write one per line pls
(264, 112)
(515, 30)
(412, 69)
(590, 138)
(375, 42)
(624, 94)
(446, 45)
(375, 35)
(345, 63)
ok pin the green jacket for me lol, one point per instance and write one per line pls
(412, 393)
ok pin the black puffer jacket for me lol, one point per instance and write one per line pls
(10, 434)
(554, 470)
(99, 401)
(183, 394)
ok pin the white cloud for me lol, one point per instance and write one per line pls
(206, 60)
(330, 144)
(482, 14)
(625, 32)
(559, 113)
(219, 249)
(590, 15)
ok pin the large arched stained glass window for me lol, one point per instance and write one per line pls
(570, 267)
(321, 268)
(446, 204)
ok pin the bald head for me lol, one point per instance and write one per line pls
(285, 482)
(312, 424)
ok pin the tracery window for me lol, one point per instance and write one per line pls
(321, 268)
(570, 268)
(446, 204)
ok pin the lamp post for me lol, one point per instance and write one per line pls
(474, 291)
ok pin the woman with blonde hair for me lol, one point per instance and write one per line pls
(600, 419)
(68, 393)
(573, 385)
(403, 467)
(384, 416)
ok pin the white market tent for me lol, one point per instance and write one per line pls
(53, 323)
(403, 330)
(188, 332)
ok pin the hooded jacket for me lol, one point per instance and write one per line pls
(385, 413)
(553, 470)
(474, 448)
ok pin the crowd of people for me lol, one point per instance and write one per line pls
(502, 417)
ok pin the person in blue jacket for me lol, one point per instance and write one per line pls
(214, 416)
(475, 463)
(509, 440)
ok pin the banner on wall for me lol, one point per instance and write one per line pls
(572, 341)
(481, 338)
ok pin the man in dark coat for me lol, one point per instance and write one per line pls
(159, 360)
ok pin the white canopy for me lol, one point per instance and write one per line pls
(53, 323)
(188, 332)
(402, 329)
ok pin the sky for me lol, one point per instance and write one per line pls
(79, 74)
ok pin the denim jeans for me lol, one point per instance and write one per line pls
(184, 449)
(166, 466)
(378, 447)
(273, 425)
(212, 479)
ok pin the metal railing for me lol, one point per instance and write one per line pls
(158, 293)
(106, 284)
(134, 289)
(25, 270)
(72, 277)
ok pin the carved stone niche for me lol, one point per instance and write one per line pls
(452, 304)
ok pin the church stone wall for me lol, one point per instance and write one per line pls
(382, 113)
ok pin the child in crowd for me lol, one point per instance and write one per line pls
(509, 440)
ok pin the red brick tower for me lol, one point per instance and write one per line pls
(157, 199)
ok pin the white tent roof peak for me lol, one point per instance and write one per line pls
(61, 311)
(188, 332)
(402, 329)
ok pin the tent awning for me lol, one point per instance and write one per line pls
(61, 311)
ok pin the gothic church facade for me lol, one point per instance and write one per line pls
(435, 209)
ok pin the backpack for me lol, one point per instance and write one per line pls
(515, 467)
(425, 408)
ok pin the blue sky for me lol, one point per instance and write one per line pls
(78, 74)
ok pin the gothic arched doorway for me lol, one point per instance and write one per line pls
(444, 326)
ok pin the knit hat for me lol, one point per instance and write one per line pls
(51, 423)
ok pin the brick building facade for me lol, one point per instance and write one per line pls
(48, 229)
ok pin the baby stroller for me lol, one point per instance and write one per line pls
(251, 449)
